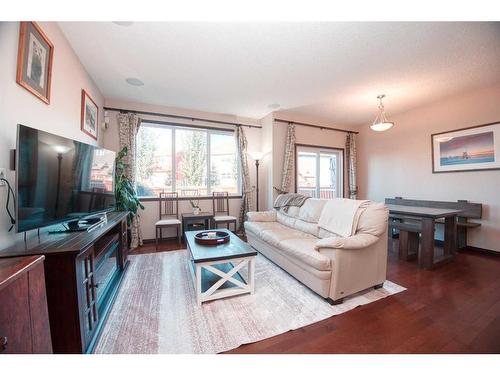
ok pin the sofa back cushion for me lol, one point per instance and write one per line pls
(373, 220)
(285, 219)
(304, 226)
(311, 210)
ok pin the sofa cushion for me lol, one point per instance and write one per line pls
(292, 211)
(303, 250)
(323, 233)
(276, 235)
(289, 221)
(373, 220)
(256, 227)
(261, 216)
(304, 226)
(311, 210)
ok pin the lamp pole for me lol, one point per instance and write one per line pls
(58, 188)
(257, 156)
(257, 182)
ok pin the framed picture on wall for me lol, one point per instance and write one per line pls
(34, 60)
(90, 115)
(475, 148)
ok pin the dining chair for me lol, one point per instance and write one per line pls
(220, 205)
(169, 215)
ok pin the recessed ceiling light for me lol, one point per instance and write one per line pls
(123, 23)
(134, 81)
(273, 106)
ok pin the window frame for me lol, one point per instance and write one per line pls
(208, 131)
(318, 149)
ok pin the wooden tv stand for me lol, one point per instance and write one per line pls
(83, 272)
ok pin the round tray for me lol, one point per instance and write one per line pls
(202, 238)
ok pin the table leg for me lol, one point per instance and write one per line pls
(251, 275)
(403, 245)
(198, 284)
(426, 256)
(450, 235)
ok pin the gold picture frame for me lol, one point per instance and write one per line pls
(34, 61)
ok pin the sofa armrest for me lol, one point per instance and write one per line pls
(358, 241)
(261, 216)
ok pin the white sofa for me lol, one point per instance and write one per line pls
(332, 266)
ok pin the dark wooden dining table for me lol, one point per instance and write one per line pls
(425, 218)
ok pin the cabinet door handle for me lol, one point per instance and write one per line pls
(96, 285)
(3, 343)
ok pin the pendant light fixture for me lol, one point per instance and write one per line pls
(381, 123)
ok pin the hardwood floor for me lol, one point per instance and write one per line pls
(453, 309)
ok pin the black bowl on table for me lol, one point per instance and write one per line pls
(203, 238)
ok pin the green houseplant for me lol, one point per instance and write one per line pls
(125, 194)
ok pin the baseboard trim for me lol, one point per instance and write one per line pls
(152, 240)
(483, 251)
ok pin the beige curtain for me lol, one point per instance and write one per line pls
(246, 199)
(128, 126)
(351, 162)
(288, 161)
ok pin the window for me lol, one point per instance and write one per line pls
(190, 161)
(319, 172)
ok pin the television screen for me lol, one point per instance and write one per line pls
(59, 179)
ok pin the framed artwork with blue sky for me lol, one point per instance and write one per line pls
(469, 149)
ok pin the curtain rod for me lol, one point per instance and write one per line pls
(315, 126)
(169, 123)
(180, 117)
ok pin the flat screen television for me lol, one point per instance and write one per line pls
(59, 179)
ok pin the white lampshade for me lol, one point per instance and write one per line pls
(381, 123)
(256, 155)
(381, 126)
(60, 149)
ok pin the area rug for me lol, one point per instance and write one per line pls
(156, 312)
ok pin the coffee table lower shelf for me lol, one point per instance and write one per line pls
(221, 279)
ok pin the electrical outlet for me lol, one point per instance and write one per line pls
(2, 175)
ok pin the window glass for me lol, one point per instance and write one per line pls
(154, 161)
(193, 162)
(319, 172)
(223, 163)
(306, 173)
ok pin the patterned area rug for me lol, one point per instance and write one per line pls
(156, 312)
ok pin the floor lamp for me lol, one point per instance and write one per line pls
(257, 156)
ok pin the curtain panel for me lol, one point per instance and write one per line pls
(246, 199)
(289, 159)
(351, 163)
(128, 126)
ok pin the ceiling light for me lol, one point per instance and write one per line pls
(134, 81)
(123, 23)
(381, 123)
(273, 106)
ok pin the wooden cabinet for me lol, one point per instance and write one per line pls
(88, 301)
(24, 320)
(83, 272)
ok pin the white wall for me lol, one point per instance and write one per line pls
(150, 214)
(18, 106)
(398, 162)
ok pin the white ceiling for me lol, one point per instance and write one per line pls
(330, 70)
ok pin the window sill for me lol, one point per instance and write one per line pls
(200, 198)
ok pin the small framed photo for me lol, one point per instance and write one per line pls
(90, 116)
(34, 61)
(476, 148)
